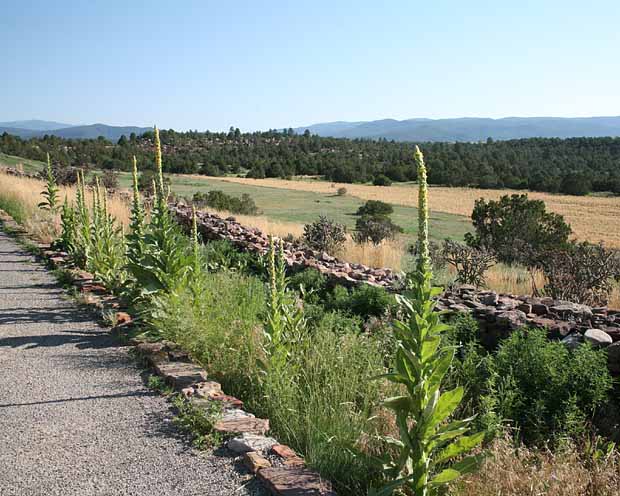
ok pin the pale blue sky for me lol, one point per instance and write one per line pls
(212, 64)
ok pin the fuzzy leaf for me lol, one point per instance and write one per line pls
(445, 476)
(446, 405)
(459, 447)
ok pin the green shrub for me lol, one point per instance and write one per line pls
(375, 229)
(364, 300)
(222, 255)
(374, 208)
(325, 235)
(221, 201)
(546, 386)
(516, 229)
(538, 386)
(312, 282)
(381, 180)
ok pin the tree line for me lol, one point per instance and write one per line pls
(573, 166)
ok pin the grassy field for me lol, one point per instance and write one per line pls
(301, 207)
(25, 164)
(593, 218)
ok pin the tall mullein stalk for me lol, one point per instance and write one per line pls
(428, 442)
(158, 164)
(51, 190)
(137, 210)
(163, 193)
(83, 225)
(424, 260)
(195, 242)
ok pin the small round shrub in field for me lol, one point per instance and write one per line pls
(341, 191)
(382, 180)
(375, 208)
(375, 229)
(325, 235)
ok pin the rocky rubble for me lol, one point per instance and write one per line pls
(500, 314)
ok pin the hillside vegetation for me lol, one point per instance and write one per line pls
(353, 377)
(574, 166)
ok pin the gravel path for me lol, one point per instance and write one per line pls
(75, 416)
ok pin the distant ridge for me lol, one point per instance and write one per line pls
(469, 128)
(35, 125)
(92, 131)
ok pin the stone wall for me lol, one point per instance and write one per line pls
(213, 227)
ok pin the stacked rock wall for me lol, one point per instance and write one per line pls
(213, 227)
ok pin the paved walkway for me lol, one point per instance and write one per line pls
(75, 416)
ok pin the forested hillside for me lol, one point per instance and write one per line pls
(573, 166)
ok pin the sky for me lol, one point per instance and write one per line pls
(268, 64)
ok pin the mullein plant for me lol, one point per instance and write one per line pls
(428, 442)
(82, 239)
(165, 258)
(107, 254)
(135, 237)
(68, 225)
(51, 190)
(285, 321)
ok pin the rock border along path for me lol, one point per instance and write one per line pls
(75, 415)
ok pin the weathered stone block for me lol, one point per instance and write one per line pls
(255, 461)
(245, 424)
(597, 338)
(180, 374)
(250, 442)
(294, 481)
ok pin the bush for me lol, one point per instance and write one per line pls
(221, 201)
(146, 179)
(109, 180)
(516, 229)
(341, 191)
(546, 387)
(537, 386)
(576, 184)
(375, 208)
(223, 256)
(325, 235)
(65, 175)
(470, 263)
(375, 229)
(364, 300)
(381, 180)
(582, 272)
(312, 281)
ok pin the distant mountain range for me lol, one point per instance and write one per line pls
(417, 130)
(470, 128)
(37, 128)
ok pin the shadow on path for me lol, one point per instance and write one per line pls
(84, 398)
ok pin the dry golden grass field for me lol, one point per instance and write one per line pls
(592, 218)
